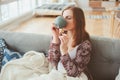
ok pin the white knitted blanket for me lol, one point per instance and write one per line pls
(33, 64)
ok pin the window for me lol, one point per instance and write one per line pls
(40, 2)
(33, 4)
(13, 9)
(16, 8)
(0, 15)
(4, 12)
(25, 5)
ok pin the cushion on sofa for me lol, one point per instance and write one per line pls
(7, 54)
(2, 47)
(10, 55)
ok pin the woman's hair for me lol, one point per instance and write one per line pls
(80, 34)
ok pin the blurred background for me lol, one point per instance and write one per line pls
(36, 16)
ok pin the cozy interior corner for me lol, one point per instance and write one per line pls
(25, 25)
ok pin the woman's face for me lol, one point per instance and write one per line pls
(68, 15)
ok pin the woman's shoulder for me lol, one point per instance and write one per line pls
(85, 44)
(84, 48)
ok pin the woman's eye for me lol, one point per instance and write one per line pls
(68, 18)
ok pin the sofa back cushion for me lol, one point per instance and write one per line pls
(24, 42)
(105, 58)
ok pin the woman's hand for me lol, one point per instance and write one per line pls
(55, 34)
(64, 44)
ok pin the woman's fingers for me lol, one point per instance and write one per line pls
(64, 38)
(55, 30)
(64, 44)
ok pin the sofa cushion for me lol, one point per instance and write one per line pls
(105, 58)
(2, 47)
(9, 55)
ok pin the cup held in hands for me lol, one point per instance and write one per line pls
(60, 22)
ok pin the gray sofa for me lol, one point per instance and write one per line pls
(105, 58)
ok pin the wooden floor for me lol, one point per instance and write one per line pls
(37, 25)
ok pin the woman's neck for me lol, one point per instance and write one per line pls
(70, 34)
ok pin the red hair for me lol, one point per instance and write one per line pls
(80, 34)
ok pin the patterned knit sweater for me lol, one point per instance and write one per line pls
(74, 66)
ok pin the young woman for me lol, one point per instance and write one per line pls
(70, 53)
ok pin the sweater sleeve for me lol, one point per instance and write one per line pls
(75, 66)
(54, 53)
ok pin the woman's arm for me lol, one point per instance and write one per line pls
(75, 66)
(54, 53)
